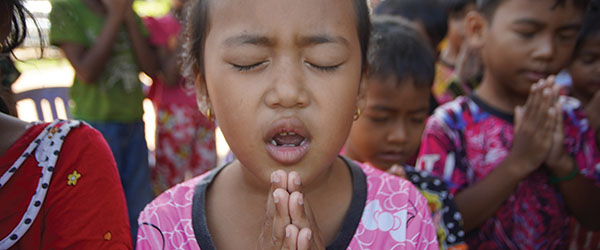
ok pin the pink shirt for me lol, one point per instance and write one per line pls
(386, 212)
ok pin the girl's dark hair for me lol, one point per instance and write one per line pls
(399, 50)
(198, 25)
(591, 25)
(16, 36)
(488, 7)
(18, 27)
(432, 13)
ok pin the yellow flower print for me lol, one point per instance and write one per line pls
(72, 179)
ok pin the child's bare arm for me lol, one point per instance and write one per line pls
(581, 195)
(531, 145)
(144, 54)
(170, 66)
(89, 62)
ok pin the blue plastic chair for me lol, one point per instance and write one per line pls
(50, 95)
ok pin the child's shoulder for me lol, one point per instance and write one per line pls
(172, 206)
(395, 215)
(385, 187)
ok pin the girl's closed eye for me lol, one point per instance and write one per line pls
(327, 69)
(248, 66)
(326, 58)
(244, 59)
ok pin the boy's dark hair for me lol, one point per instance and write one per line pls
(432, 13)
(591, 25)
(198, 25)
(399, 50)
(488, 7)
(457, 6)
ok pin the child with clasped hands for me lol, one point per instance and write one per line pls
(283, 79)
(516, 154)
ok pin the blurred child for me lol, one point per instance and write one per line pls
(185, 139)
(59, 184)
(458, 67)
(585, 74)
(104, 42)
(515, 155)
(585, 67)
(388, 134)
(430, 16)
(283, 79)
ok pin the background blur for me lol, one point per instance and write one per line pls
(53, 69)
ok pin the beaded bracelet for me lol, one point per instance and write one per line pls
(554, 179)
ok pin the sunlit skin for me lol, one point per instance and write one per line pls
(390, 128)
(585, 70)
(280, 66)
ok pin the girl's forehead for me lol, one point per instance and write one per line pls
(284, 17)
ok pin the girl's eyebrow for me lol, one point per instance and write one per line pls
(264, 41)
(248, 40)
(306, 41)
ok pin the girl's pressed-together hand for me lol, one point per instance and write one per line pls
(289, 222)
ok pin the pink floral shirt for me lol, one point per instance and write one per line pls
(386, 212)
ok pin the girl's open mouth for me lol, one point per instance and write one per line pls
(287, 141)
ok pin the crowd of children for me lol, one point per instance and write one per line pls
(406, 124)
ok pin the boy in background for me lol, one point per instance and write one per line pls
(514, 153)
(458, 70)
(388, 133)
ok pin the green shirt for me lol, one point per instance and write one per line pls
(117, 94)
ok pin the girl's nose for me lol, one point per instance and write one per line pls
(288, 86)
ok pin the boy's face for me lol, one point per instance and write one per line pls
(585, 68)
(283, 79)
(527, 40)
(390, 128)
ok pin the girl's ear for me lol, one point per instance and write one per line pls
(202, 97)
(476, 28)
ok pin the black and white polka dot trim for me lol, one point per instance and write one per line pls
(48, 144)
